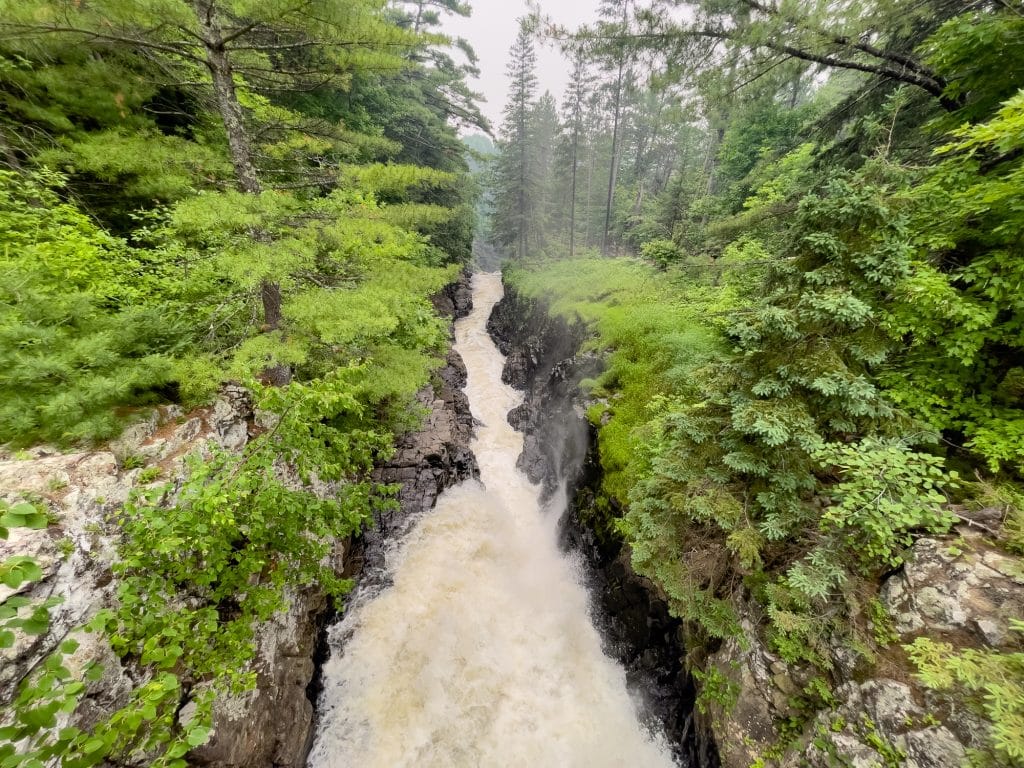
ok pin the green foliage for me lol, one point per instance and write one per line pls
(885, 493)
(236, 533)
(23, 515)
(661, 252)
(95, 325)
(149, 474)
(76, 339)
(989, 682)
(147, 168)
(716, 689)
(961, 309)
(848, 246)
(654, 339)
(981, 47)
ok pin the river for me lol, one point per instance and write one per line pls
(482, 651)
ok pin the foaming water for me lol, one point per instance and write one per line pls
(482, 651)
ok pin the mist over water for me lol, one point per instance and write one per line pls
(482, 652)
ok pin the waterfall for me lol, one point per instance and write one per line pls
(481, 652)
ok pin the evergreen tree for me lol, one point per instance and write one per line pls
(322, 43)
(542, 140)
(574, 107)
(513, 182)
(616, 27)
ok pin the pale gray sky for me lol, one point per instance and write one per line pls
(492, 29)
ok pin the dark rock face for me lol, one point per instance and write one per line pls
(273, 725)
(437, 456)
(560, 451)
(454, 300)
(542, 358)
(428, 461)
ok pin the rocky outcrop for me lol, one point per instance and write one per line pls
(82, 491)
(273, 723)
(966, 589)
(959, 589)
(544, 359)
(435, 457)
(877, 723)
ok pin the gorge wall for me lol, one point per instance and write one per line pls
(271, 725)
(873, 711)
(545, 359)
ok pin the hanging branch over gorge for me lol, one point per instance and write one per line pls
(758, 25)
(274, 46)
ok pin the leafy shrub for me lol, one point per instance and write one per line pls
(661, 252)
(885, 493)
(960, 310)
(992, 684)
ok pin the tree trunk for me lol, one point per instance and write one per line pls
(588, 210)
(522, 176)
(572, 199)
(230, 110)
(240, 149)
(10, 158)
(614, 170)
(419, 17)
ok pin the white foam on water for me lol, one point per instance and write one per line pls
(482, 652)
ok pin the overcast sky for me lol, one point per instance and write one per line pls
(492, 29)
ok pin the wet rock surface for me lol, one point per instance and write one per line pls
(959, 589)
(544, 359)
(432, 459)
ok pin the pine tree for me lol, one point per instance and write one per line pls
(513, 182)
(542, 133)
(574, 106)
(262, 48)
(617, 11)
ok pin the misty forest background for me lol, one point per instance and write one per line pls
(795, 229)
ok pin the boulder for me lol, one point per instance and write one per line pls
(745, 727)
(971, 590)
(878, 723)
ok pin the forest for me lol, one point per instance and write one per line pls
(795, 230)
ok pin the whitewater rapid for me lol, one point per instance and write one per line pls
(482, 652)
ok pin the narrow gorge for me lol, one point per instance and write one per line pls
(464, 384)
(479, 648)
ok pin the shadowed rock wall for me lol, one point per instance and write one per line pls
(560, 451)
